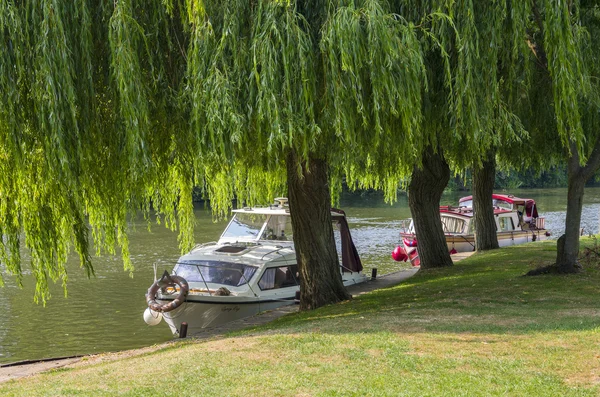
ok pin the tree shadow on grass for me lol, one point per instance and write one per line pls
(484, 294)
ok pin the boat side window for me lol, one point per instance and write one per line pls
(506, 224)
(466, 203)
(279, 227)
(502, 204)
(279, 277)
(216, 272)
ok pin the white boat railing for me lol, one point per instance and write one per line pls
(275, 251)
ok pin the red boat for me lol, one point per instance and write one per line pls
(517, 222)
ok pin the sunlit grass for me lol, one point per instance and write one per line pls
(478, 328)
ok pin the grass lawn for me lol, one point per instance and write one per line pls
(476, 329)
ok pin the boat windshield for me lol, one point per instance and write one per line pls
(216, 272)
(279, 228)
(502, 204)
(452, 225)
(466, 203)
(247, 226)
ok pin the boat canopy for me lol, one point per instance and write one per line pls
(507, 201)
(350, 258)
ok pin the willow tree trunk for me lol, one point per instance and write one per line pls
(424, 192)
(310, 209)
(568, 245)
(486, 237)
(567, 251)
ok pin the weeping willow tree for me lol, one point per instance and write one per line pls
(473, 54)
(90, 130)
(565, 39)
(108, 109)
(505, 65)
(314, 91)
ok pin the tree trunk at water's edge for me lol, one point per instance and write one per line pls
(310, 205)
(568, 245)
(424, 192)
(567, 251)
(486, 237)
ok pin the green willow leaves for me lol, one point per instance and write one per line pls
(109, 109)
(88, 135)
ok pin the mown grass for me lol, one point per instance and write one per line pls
(476, 329)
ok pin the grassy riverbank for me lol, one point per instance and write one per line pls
(478, 328)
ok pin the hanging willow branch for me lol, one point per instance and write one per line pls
(108, 109)
(87, 130)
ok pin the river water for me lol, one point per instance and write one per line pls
(104, 313)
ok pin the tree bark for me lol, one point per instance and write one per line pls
(567, 255)
(310, 206)
(567, 252)
(486, 237)
(424, 192)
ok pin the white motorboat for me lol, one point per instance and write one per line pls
(517, 222)
(252, 268)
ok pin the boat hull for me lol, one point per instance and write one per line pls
(204, 314)
(466, 242)
(205, 311)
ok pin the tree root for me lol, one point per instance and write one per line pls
(555, 269)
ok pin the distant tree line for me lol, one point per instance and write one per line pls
(554, 177)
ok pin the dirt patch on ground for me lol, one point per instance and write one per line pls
(9, 371)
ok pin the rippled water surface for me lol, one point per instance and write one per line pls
(105, 313)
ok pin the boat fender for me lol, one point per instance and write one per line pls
(151, 317)
(399, 254)
(184, 289)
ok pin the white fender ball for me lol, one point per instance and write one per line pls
(151, 317)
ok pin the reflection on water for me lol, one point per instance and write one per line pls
(100, 314)
(105, 313)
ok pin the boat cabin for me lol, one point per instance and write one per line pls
(526, 208)
(267, 224)
(458, 221)
(261, 233)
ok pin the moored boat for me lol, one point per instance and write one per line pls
(517, 222)
(252, 268)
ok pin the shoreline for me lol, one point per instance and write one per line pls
(28, 368)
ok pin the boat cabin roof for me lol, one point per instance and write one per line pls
(508, 198)
(280, 207)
